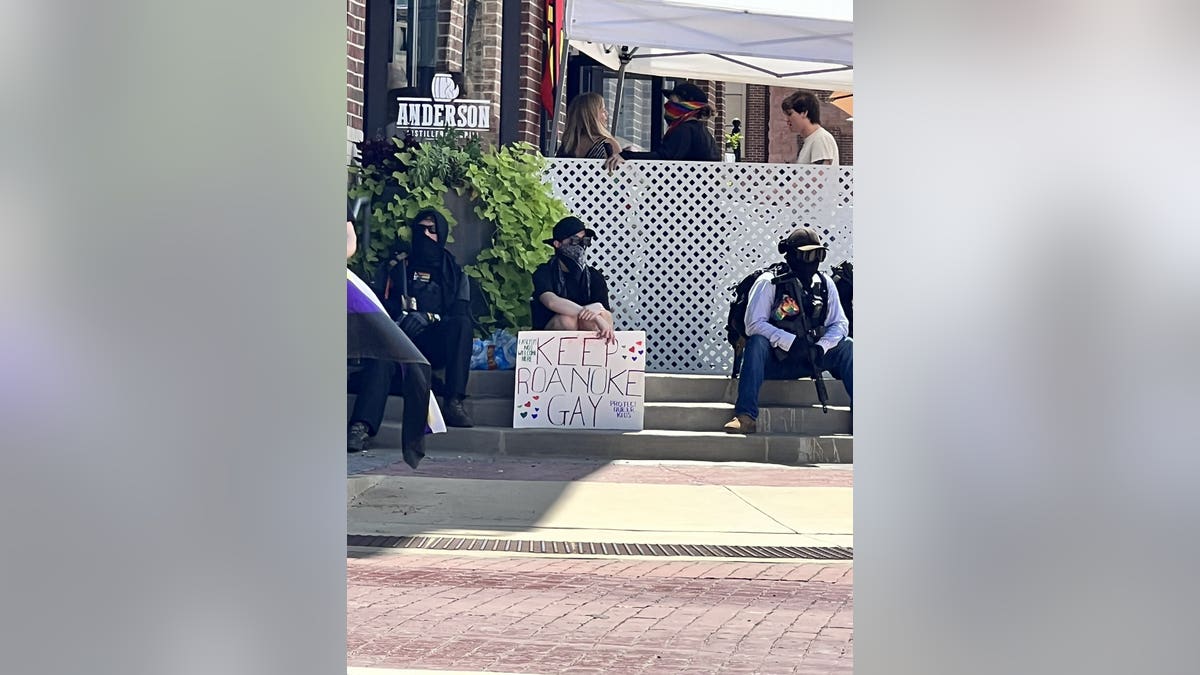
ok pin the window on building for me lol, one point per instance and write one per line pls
(634, 120)
(414, 46)
(398, 71)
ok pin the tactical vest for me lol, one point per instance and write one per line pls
(789, 301)
(423, 287)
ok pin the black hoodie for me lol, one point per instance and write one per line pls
(434, 277)
(691, 140)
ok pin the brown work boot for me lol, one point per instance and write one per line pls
(741, 424)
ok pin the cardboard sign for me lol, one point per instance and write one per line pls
(573, 380)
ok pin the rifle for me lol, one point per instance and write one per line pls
(409, 305)
(809, 335)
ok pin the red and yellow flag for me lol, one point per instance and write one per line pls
(552, 52)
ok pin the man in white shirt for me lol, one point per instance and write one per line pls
(776, 346)
(803, 113)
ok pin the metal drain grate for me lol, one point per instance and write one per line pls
(600, 548)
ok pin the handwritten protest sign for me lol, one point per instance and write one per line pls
(573, 380)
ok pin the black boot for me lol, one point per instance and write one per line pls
(455, 414)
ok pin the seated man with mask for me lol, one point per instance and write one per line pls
(777, 347)
(567, 294)
(426, 293)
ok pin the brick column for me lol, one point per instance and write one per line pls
(356, 42)
(482, 73)
(718, 124)
(754, 127)
(529, 125)
(451, 20)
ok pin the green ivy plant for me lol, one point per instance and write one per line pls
(511, 193)
(372, 177)
(403, 177)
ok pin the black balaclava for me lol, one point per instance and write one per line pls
(804, 270)
(803, 252)
(425, 252)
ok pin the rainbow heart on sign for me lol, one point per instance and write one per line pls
(524, 409)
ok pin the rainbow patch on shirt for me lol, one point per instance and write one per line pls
(787, 308)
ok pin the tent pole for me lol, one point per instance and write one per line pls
(626, 56)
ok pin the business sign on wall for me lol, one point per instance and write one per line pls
(427, 117)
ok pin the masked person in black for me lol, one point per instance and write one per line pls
(426, 293)
(567, 293)
(776, 346)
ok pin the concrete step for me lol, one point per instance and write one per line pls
(807, 420)
(684, 389)
(789, 449)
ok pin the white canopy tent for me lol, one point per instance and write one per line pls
(804, 44)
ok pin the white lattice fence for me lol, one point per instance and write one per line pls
(673, 236)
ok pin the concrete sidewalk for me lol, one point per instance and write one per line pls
(721, 512)
(473, 611)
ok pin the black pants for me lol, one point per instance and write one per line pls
(447, 344)
(444, 344)
(373, 383)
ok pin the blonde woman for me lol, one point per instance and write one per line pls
(586, 134)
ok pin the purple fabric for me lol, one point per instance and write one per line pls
(356, 302)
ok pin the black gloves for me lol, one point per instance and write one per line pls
(413, 323)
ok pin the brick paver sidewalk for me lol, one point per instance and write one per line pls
(547, 615)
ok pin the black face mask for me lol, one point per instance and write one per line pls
(805, 263)
(425, 251)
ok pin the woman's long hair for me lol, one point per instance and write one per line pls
(584, 128)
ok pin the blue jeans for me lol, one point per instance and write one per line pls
(759, 364)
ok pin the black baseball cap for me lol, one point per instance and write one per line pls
(567, 228)
(686, 91)
(801, 239)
